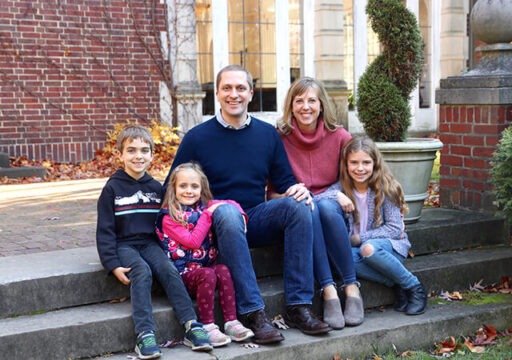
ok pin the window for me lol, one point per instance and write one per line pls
(252, 44)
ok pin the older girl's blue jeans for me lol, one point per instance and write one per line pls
(145, 262)
(331, 242)
(384, 266)
(276, 221)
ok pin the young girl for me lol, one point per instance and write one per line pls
(183, 226)
(377, 234)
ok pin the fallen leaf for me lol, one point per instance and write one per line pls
(450, 295)
(474, 349)
(447, 346)
(477, 286)
(121, 300)
(278, 322)
(406, 354)
(171, 343)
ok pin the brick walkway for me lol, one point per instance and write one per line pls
(48, 216)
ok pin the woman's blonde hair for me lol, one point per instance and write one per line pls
(299, 87)
(170, 199)
(382, 182)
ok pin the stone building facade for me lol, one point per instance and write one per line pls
(70, 70)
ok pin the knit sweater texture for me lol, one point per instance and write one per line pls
(238, 163)
(315, 156)
(392, 227)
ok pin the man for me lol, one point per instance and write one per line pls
(240, 155)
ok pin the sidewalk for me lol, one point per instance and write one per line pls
(48, 216)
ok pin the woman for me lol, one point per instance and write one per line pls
(314, 143)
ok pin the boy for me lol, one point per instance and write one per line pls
(128, 246)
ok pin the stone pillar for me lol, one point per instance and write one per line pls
(329, 54)
(453, 38)
(186, 94)
(474, 109)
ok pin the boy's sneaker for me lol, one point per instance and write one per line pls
(217, 338)
(236, 331)
(146, 347)
(197, 338)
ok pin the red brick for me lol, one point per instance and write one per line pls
(473, 140)
(49, 66)
(460, 150)
(461, 128)
(475, 163)
(483, 151)
(486, 129)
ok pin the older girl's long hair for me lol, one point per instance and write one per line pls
(170, 199)
(382, 182)
(299, 87)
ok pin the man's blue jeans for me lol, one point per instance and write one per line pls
(146, 261)
(331, 242)
(384, 266)
(272, 222)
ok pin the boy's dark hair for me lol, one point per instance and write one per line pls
(132, 133)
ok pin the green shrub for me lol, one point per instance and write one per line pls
(501, 174)
(385, 87)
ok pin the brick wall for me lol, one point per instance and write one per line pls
(470, 134)
(71, 69)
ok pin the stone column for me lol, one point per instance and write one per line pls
(186, 95)
(329, 54)
(474, 109)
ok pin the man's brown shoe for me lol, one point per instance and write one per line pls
(303, 318)
(261, 326)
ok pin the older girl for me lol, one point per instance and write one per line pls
(377, 230)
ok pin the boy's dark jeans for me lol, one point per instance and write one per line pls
(145, 262)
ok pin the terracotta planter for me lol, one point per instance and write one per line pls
(411, 163)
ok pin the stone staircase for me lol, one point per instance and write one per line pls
(62, 305)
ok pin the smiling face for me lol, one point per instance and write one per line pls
(234, 95)
(360, 169)
(188, 187)
(306, 109)
(136, 157)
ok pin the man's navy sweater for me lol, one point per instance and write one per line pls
(238, 163)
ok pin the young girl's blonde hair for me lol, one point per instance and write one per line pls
(170, 199)
(382, 182)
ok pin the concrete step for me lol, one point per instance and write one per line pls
(49, 281)
(380, 332)
(103, 329)
(89, 330)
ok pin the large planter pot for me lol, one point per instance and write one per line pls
(411, 163)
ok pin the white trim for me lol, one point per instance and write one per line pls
(308, 37)
(282, 34)
(220, 40)
(360, 40)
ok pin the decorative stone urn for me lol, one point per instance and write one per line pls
(491, 22)
(411, 163)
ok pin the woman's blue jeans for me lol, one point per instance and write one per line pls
(145, 262)
(276, 221)
(331, 242)
(384, 266)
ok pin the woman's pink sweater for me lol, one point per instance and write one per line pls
(315, 156)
